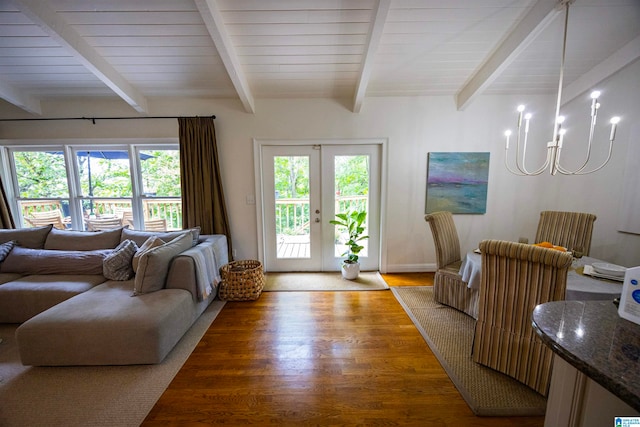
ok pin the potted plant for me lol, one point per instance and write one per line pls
(352, 221)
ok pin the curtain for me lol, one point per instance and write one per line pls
(202, 195)
(6, 219)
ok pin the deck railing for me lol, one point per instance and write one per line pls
(292, 215)
(169, 209)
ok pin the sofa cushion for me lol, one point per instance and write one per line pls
(9, 277)
(117, 265)
(85, 330)
(141, 236)
(24, 297)
(33, 238)
(83, 240)
(43, 261)
(150, 243)
(5, 248)
(154, 265)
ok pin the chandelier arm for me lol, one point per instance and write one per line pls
(589, 145)
(506, 164)
(521, 169)
(579, 172)
(521, 160)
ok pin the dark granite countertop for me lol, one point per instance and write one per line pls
(596, 341)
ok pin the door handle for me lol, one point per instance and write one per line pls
(317, 219)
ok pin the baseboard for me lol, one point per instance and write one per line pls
(411, 268)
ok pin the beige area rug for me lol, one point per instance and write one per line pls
(331, 281)
(449, 334)
(88, 395)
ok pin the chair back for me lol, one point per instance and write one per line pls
(127, 217)
(515, 279)
(54, 217)
(155, 225)
(99, 224)
(569, 229)
(445, 238)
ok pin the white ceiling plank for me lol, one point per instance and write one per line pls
(375, 35)
(59, 30)
(215, 25)
(16, 97)
(620, 59)
(535, 21)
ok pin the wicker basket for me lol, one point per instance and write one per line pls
(241, 281)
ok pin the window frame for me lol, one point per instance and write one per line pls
(69, 150)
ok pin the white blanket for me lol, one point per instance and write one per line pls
(207, 272)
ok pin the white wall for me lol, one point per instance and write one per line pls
(413, 127)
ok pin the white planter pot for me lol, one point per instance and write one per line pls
(350, 271)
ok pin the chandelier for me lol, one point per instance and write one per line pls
(554, 147)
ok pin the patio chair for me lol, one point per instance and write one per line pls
(155, 225)
(54, 217)
(126, 215)
(569, 229)
(448, 287)
(516, 278)
(99, 224)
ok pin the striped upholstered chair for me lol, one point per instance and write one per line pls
(448, 287)
(515, 278)
(569, 229)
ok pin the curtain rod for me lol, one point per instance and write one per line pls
(93, 119)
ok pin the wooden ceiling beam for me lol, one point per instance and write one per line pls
(215, 25)
(533, 23)
(373, 41)
(63, 33)
(18, 98)
(614, 63)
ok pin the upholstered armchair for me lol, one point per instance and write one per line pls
(448, 287)
(515, 279)
(569, 229)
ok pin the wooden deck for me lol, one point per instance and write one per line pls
(299, 247)
(293, 246)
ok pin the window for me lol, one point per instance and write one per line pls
(41, 188)
(96, 187)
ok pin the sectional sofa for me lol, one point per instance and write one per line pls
(79, 301)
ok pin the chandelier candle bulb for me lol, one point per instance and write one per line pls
(507, 134)
(614, 123)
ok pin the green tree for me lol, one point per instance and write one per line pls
(41, 174)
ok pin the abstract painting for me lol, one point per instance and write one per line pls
(457, 182)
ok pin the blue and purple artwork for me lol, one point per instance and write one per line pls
(457, 182)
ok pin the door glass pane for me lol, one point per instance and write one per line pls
(352, 193)
(291, 183)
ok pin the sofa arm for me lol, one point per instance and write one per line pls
(183, 272)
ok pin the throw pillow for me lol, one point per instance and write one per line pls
(42, 261)
(117, 265)
(140, 236)
(83, 240)
(33, 238)
(154, 265)
(150, 243)
(5, 248)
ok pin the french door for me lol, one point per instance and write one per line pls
(303, 187)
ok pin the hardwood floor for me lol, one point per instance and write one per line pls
(317, 358)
